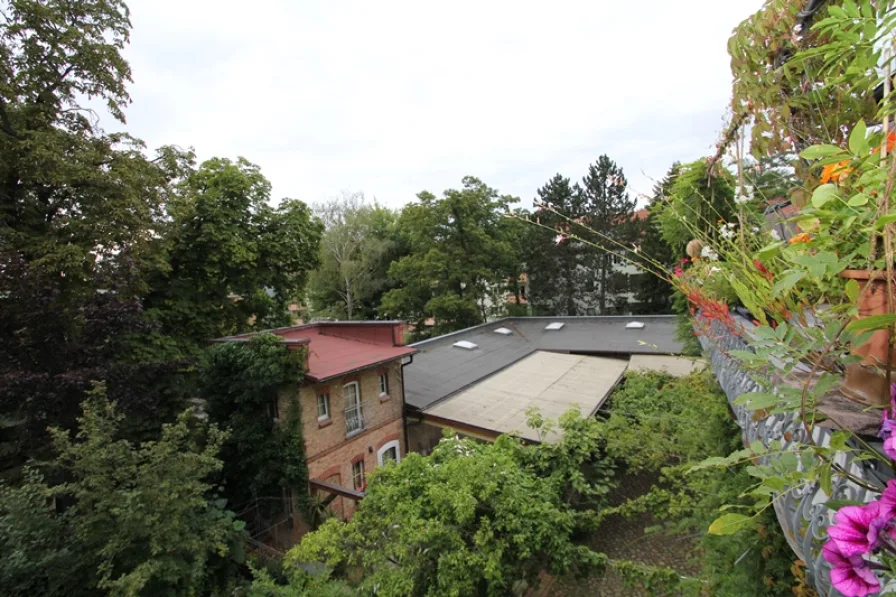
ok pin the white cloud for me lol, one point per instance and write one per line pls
(395, 97)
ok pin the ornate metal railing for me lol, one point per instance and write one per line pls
(801, 512)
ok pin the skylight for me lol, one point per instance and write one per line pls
(503, 331)
(465, 345)
(634, 325)
(554, 326)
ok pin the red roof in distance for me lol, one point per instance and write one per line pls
(342, 347)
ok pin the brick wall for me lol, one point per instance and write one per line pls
(328, 451)
(336, 465)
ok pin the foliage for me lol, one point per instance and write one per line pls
(359, 243)
(472, 518)
(698, 200)
(140, 515)
(459, 259)
(297, 584)
(654, 292)
(240, 383)
(781, 77)
(231, 256)
(571, 262)
(58, 339)
(667, 425)
(34, 556)
(73, 197)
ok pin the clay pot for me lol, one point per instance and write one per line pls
(866, 382)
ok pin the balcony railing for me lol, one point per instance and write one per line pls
(355, 420)
(801, 511)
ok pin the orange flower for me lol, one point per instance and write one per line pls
(891, 143)
(835, 172)
(802, 237)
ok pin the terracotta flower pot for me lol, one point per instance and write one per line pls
(866, 382)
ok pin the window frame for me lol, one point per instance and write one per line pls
(357, 407)
(358, 477)
(385, 448)
(384, 384)
(326, 397)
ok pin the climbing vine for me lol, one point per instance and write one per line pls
(246, 385)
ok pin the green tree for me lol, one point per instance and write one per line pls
(698, 200)
(73, 198)
(472, 518)
(141, 518)
(245, 385)
(572, 267)
(35, 558)
(558, 279)
(358, 245)
(458, 258)
(231, 256)
(611, 213)
(654, 292)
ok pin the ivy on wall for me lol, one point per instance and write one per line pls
(245, 386)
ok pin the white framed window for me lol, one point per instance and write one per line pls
(390, 452)
(384, 384)
(354, 413)
(358, 475)
(323, 406)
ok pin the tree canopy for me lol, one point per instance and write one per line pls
(472, 518)
(459, 259)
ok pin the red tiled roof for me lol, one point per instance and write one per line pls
(331, 355)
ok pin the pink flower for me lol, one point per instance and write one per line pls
(559, 239)
(888, 499)
(678, 271)
(890, 447)
(852, 530)
(850, 575)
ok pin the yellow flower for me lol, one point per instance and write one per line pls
(802, 237)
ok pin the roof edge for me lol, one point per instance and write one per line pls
(541, 317)
(362, 368)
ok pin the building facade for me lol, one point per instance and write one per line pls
(352, 403)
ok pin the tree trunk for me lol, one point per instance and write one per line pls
(348, 298)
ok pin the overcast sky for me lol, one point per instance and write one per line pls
(391, 98)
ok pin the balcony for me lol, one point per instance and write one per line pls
(355, 420)
(801, 511)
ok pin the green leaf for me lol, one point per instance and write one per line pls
(820, 151)
(786, 283)
(756, 400)
(823, 194)
(837, 12)
(858, 144)
(852, 290)
(824, 479)
(837, 504)
(769, 250)
(858, 200)
(884, 220)
(873, 322)
(239, 525)
(728, 524)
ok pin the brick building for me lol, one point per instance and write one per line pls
(352, 401)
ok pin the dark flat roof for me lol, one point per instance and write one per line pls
(441, 369)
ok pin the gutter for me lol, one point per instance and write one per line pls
(404, 405)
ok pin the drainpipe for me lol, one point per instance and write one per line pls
(404, 415)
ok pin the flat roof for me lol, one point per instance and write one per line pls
(549, 381)
(674, 366)
(440, 369)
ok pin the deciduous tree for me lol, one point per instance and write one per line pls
(458, 258)
(470, 519)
